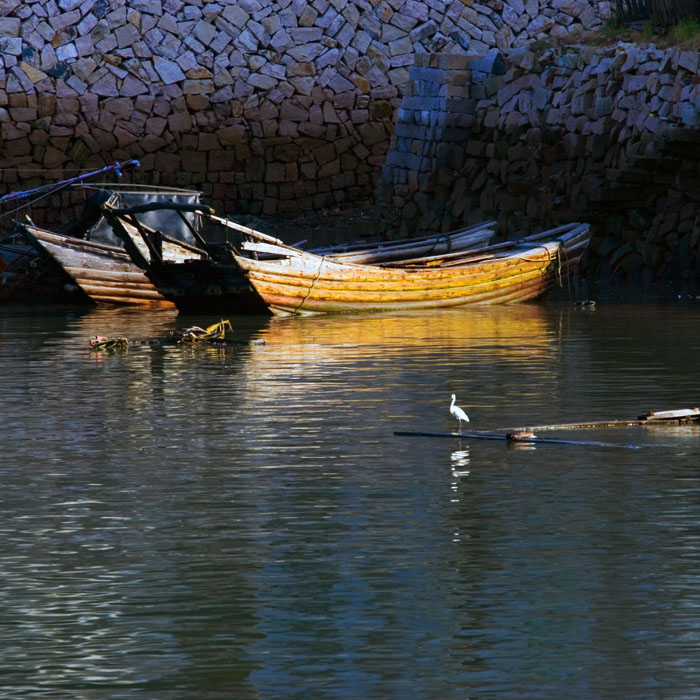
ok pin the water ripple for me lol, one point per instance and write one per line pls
(243, 522)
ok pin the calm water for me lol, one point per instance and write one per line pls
(243, 523)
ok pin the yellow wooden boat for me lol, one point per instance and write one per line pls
(293, 281)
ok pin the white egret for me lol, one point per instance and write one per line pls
(458, 413)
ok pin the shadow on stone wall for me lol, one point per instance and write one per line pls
(536, 139)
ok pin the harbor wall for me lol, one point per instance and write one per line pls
(537, 138)
(269, 107)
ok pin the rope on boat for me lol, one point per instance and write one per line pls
(313, 283)
(64, 183)
(558, 264)
(448, 242)
(553, 258)
(38, 193)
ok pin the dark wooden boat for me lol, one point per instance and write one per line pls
(299, 282)
(26, 273)
(93, 259)
(83, 260)
(213, 281)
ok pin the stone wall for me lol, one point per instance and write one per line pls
(267, 106)
(539, 138)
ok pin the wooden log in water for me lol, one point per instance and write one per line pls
(526, 434)
(679, 416)
(516, 440)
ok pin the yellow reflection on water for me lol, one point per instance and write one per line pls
(509, 330)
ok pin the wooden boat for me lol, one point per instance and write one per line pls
(26, 273)
(83, 260)
(208, 280)
(213, 281)
(96, 262)
(105, 273)
(298, 282)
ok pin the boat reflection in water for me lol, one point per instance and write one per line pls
(510, 331)
(295, 358)
(464, 351)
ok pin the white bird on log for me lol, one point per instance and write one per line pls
(458, 413)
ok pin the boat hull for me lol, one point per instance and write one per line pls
(214, 282)
(27, 276)
(299, 283)
(105, 273)
(84, 261)
(207, 286)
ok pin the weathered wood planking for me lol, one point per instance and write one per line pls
(106, 273)
(679, 416)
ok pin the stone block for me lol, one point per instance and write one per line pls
(121, 107)
(126, 35)
(15, 147)
(207, 142)
(22, 114)
(131, 87)
(262, 82)
(46, 104)
(329, 169)
(124, 136)
(10, 26)
(193, 161)
(155, 126)
(689, 61)
(330, 115)
(293, 111)
(300, 69)
(416, 10)
(198, 88)
(306, 52)
(167, 162)
(180, 122)
(205, 32)
(168, 71)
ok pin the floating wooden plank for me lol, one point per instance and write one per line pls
(680, 416)
(518, 440)
(674, 415)
(578, 426)
(526, 434)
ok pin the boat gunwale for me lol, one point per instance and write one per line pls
(328, 271)
(469, 257)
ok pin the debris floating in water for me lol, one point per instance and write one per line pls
(213, 335)
(195, 334)
(520, 435)
(102, 342)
